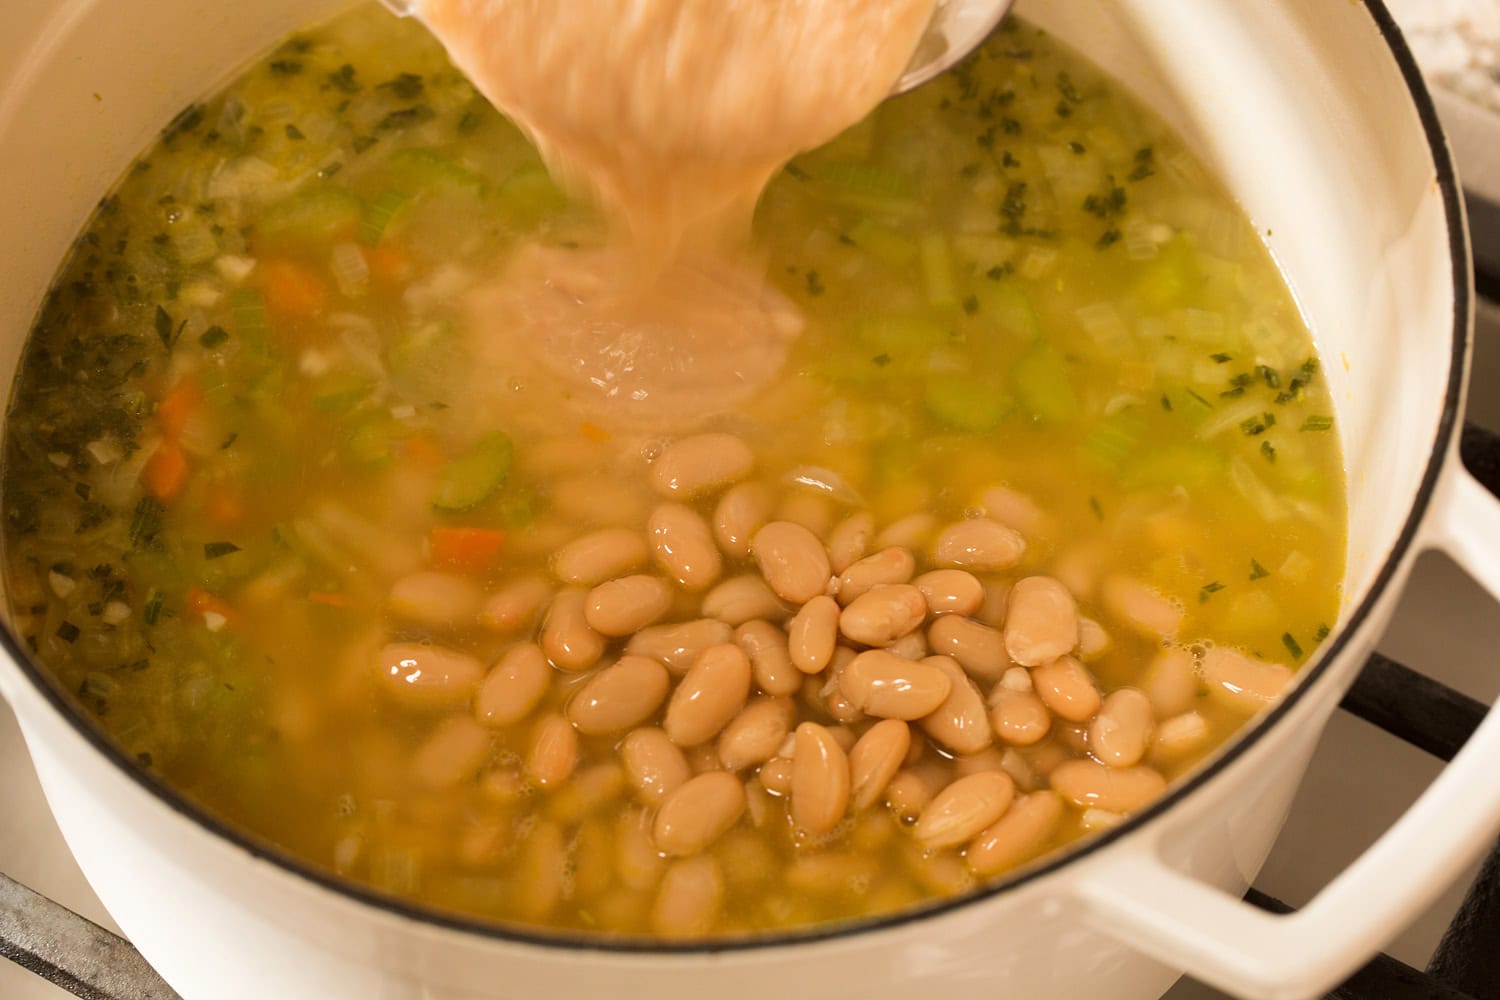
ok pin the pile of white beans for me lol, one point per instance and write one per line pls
(814, 672)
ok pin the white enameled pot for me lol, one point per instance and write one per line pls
(1313, 113)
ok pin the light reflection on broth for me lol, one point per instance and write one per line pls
(1045, 501)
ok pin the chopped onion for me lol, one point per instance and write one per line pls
(350, 270)
(825, 481)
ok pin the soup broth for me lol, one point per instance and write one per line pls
(1046, 501)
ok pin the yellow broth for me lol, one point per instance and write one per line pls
(251, 405)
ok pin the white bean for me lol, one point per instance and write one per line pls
(980, 545)
(1041, 621)
(683, 546)
(692, 466)
(792, 560)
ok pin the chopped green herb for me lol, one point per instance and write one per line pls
(1322, 633)
(1206, 403)
(1291, 645)
(1221, 358)
(343, 79)
(1318, 423)
(1110, 204)
(285, 67)
(294, 133)
(881, 360)
(814, 283)
(68, 632)
(213, 337)
(406, 87)
(1209, 589)
(152, 611)
(1269, 375)
(1096, 508)
(1269, 450)
(1067, 89)
(417, 114)
(971, 304)
(1257, 571)
(1166, 402)
(217, 550)
(1145, 164)
(146, 522)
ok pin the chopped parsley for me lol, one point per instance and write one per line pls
(1318, 423)
(1257, 571)
(1209, 590)
(1291, 644)
(217, 550)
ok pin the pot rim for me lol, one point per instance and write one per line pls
(1459, 252)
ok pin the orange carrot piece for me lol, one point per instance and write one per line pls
(223, 505)
(594, 432)
(422, 450)
(472, 550)
(388, 263)
(293, 289)
(177, 407)
(333, 600)
(166, 472)
(203, 604)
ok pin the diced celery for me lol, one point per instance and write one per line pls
(937, 272)
(420, 171)
(529, 195)
(368, 443)
(473, 477)
(1043, 385)
(966, 403)
(1114, 439)
(380, 216)
(869, 189)
(883, 243)
(341, 398)
(1006, 303)
(1167, 281)
(322, 214)
(250, 319)
(902, 336)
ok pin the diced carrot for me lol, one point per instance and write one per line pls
(166, 471)
(387, 262)
(422, 450)
(293, 289)
(213, 610)
(177, 407)
(594, 432)
(223, 505)
(333, 600)
(471, 550)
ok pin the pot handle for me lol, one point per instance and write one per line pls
(1133, 895)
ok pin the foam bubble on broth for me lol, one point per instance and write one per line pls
(672, 115)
